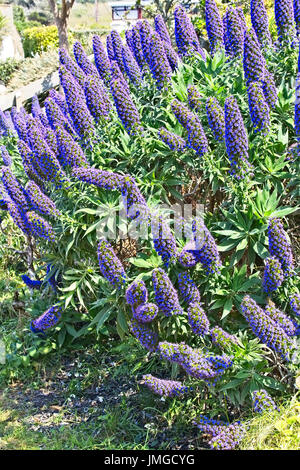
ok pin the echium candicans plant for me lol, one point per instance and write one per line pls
(116, 74)
(47, 320)
(134, 202)
(214, 26)
(110, 266)
(131, 67)
(163, 240)
(117, 45)
(40, 201)
(253, 60)
(216, 118)
(96, 99)
(297, 16)
(128, 37)
(269, 89)
(260, 22)
(146, 32)
(101, 60)
(279, 245)
(57, 118)
(126, 109)
(136, 294)
(166, 296)
(182, 113)
(40, 228)
(145, 313)
(236, 139)
(19, 217)
(6, 158)
(31, 283)
(174, 141)
(83, 61)
(284, 17)
(171, 55)
(101, 178)
(81, 117)
(71, 66)
(144, 334)
(194, 98)
(50, 138)
(188, 289)
(266, 329)
(60, 101)
(37, 112)
(4, 124)
(198, 320)
(222, 436)
(164, 388)
(196, 136)
(21, 127)
(13, 188)
(262, 401)
(28, 164)
(273, 275)
(161, 29)
(225, 34)
(259, 109)
(158, 62)
(186, 37)
(235, 32)
(282, 320)
(137, 47)
(222, 339)
(295, 303)
(110, 49)
(206, 250)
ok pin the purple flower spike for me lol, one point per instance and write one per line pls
(19, 217)
(110, 49)
(40, 201)
(101, 178)
(173, 141)
(196, 137)
(223, 436)
(5, 156)
(262, 402)
(71, 66)
(101, 60)
(279, 246)
(259, 109)
(266, 329)
(48, 319)
(137, 47)
(163, 240)
(83, 61)
(198, 319)
(147, 337)
(127, 111)
(194, 98)
(284, 17)
(57, 118)
(146, 313)
(13, 187)
(222, 339)
(171, 55)
(110, 266)
(40, 227)
(31, 283)
(253, 60)
(186, 38)
(131, 67)
(269, 89)
(282, 320)
(164, 388)
(136, 294)
(146, 33)
(70, 152)
(188, 289)
(165, 294)
(187, 259)
(158, 62)
(116, 74)
(295, 303)
(206, 249)
(297, 16)
(117, 45)
(260, 22)
(97, 99)
(214, 26)
(60, 101)
(216, 118)
(235, 32)
(273, 275)
(161, 29)
(182, 113)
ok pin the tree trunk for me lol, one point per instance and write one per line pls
(61, 16)
(62, 34)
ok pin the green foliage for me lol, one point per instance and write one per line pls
(7, 68)
(39, 39)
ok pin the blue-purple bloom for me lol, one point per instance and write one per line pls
(145, 313)
(6, 158)
(198, 320)
(71, 66)
(279, 246)
(174, 141)
(31, 283)
(97, 99)
(48, 319)
(194, 98)
(214, 26)
(260, 22)
(158, 61)
(269, 89)
(206, 250)
(216, 118)
(83, 61)
(282, 320)
(222, 339)
(295, 303)
(40, 201)
(161, 29)
(136, 294)
(101, 60)
(131, 66)
(127, 111)
(253, 60)
(284, 17)
(188, 289)
(259, 109)
(186, 38)
(273, 275)
(144, 334)
(223, 436)
(165, 294)
(40, 227)
(262, 401)
(235, 32)
(110, 266)
(163, 240)
(164, 388)
(13, 187)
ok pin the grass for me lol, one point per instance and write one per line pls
(83, 16)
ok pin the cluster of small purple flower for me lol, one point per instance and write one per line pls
(96, 98)
(158, 61)
(279, 246)
(284, 13)
(206, 249)
(14, 188)
(216, 118)
(194, 98)
(253, 60)
(163, 240)
(161, 29)
(146, 313)
(281, 319)
(47, 319)
(40, 227)
(101, 178)
(40, 201)
(83, 61)
(131, 67)
(260, 22)
(295, 303)
(165, 294)
(259, 109)
(214, 26)
(164, 388)
(235, 32)
(69, 151)
(198, 320)
(110, 266)
(174, 141)
(147, 337)
(71, 66)
(273, 275)
(186, 38)
(31, 283)
(262, 401)
(101, 60)
(188, 289)
(222, 339)
(223, 436)
(126, 109)
(136, 294)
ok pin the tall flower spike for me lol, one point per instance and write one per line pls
(236, 139)
(28, 163)
(222, 339)
(13, 187)
(164, 388)
(44, 161)
(110, 266)
(31, 283)
(11, 126)
(21, 128)
(6, 158)
(137, 47)
(188, 289)
(214, 26)
(235, 32)
(194, 98)
(163, 240)
(126, 109)
(171, 55)
(145, 313)
(101, 178)
(136, 294)
(57, 118)
(182, 113)
(279, 246)
(186, 38)
(260, 22)
(110, 49)
(146, 33)
(216, 118)
(262, 401)
(297, 16)
(198, 319)
(50, 138)
(297, 107)
(222, 436)
(129, 40)
(40, 201)
(40, 227)
(196, 137)
(60, 101)
(116, 74)
(165, 293)
(295, 303)
(158, 62)
(273, 275)
(96, 99)
(117, 45)
(225, 34)
(269, 89)
(281, 319)
(143, 333)
(131, 67)
(101, 60)
(81, 117)
(48, 319)
(161, 29)
(134, 202)
(71, 66)
(187, 259)
(206, 249)
(83, 61)
(259, 109)
(4, 124)
(19, 217)
(253, 61)
(174, 141)
(266, 329)
(284, 17)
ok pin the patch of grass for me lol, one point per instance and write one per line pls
(279, 430)
(83, 16)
